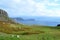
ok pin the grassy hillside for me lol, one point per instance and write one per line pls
(11, 31)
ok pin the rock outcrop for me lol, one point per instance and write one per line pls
(58, 25)
(3, 15)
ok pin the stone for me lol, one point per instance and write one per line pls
(58, 25)
(12, 35)
(3, 15)
(17, 36)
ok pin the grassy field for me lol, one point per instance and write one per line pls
(9, 31)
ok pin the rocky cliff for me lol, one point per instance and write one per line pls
(3, 15)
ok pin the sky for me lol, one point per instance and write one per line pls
(16, 8)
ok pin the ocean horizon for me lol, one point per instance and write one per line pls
(45, 21)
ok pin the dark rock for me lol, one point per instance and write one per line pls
(3, 15)
(58, 25)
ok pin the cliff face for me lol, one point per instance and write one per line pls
(3, 15)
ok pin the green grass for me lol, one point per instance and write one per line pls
(31, 37)
(25, 32)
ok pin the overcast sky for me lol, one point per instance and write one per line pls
(16, 8)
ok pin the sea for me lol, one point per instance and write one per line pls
(43, 21)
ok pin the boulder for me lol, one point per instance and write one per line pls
(58, 25)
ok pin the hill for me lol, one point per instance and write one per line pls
(3, 15)
(11, 30)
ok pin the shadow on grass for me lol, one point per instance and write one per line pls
(30, 33)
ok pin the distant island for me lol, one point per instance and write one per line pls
(18, 19)
(21, 19)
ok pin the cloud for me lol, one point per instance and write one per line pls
(31, 7)
(16, 1)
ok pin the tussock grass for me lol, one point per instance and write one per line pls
(28, 32)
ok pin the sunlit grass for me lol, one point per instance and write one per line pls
(28, 32)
